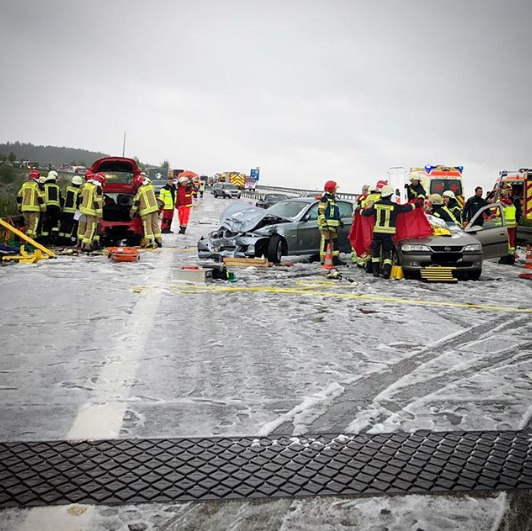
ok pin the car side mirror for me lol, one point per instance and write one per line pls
(473, 228)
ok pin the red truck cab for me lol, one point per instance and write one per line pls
(122, 179)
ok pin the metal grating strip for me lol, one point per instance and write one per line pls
(163, 470)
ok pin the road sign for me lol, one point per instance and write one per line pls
(254, 173)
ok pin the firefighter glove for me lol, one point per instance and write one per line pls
(342, 224)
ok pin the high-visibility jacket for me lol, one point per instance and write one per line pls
(167, 196)
(71, 199)
(30, 198)
(184, 196)
(385, 213)
(373, 196)
(202, 187)
(145, 201)
(413, 192)
(510, 215)
(92, 200)
(329, 213)
(446, 213)
(52, 195)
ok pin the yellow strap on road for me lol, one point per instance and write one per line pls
(196, 289)
(26, 238)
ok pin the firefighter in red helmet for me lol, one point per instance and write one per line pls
(31, 203)
(328, 222)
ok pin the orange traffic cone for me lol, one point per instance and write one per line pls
(528, 259)
(328, 258)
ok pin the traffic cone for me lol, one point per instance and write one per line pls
(328, 258)
(528, 259)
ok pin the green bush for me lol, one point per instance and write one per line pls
(8, 204)
(8, 174)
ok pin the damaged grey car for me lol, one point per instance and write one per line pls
(288, 228)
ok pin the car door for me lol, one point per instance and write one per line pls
(492, 233)
(308, 234)
(346, 215)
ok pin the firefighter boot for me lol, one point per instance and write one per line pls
(376, 269)
(369, 267)
(386, 270)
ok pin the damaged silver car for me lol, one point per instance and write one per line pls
(288, 228)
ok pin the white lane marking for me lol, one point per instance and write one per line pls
(101, 418)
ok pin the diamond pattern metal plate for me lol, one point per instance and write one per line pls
(162, 470)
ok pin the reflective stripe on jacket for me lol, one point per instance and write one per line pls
(509, 215)
(328, 211)
(91, 200)
(29, 197)
(385, 213)
(52, 195)
(145, 201)
(71, 199)
(168, 197)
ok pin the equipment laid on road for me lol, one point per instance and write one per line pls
(438, 274)
(25, 257)
(247, 262)
(124, 254)
(26, 238)
(194, 274)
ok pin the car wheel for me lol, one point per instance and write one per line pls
(275, 249)
(474, 275)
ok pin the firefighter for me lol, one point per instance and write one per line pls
(452, 204)
(415, 188)
(201, 189)
(69, 207)
(52, 203)
(146, 206)
(91, 207)
(183, 203)
(441, 210)
(167, 196)
(385, 213)
(328, 222)
(512, 212)
(31, 203)
(82, 221)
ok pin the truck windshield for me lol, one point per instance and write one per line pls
(438, 186)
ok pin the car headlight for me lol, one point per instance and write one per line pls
(410, 247)
(473, 248)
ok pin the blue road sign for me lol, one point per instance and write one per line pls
(254, 173)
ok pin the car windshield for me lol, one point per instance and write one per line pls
(438, 186)
(288, 209)
(275, 197)
(230, 187)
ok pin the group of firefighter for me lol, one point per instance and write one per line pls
(377, 202)
(73, 217)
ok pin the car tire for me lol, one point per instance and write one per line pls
(275, 249)
(474, 275)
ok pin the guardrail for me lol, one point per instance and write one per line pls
(302, 192)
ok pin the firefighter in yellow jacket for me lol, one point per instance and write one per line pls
(31, 203)
(329, 222)
(91, 207)
(52, 214)
(70, 205)
(145, 204)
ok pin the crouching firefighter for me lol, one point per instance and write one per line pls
(145, 203)
(91, 207)
(328, 222)
(384, 229)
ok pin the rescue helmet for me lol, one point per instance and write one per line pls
(436, 199)
(381, 184)
(414, 176)
(34, 174)
(145, 181)
(88, 175)
(449, 194)
(42, 179)
(99, 177)
(506, 189)
(330, 186)
(52, 176)
(183, 180)
(77, 180)
(386, 191)
(365, 189)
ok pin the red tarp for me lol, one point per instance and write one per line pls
(412, 224)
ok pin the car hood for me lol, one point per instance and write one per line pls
(244, 218)
(456, 238)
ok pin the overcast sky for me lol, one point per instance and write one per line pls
(307, 90)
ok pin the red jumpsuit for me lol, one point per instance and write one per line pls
(183, 205)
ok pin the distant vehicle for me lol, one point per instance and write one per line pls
(215, 186)
(463, 250)
(268, 200)
(226, 190)
(121, 184)
(287, 228)
(158, 184)
(439, 179)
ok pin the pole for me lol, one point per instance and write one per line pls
(124, 145)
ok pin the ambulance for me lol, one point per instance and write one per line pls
(439, 179)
